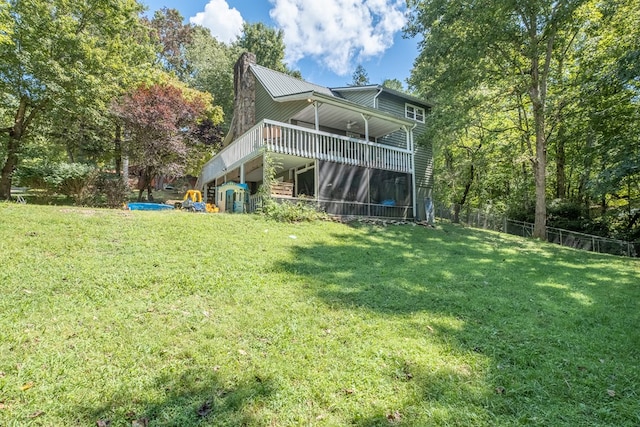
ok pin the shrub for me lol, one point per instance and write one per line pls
(113, 188)
(69, 179)
(31, 174)
(103, 189)
(567, 214)
(286, 211)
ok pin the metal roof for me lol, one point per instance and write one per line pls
(334, 110)
(280, 84)
(384, 89)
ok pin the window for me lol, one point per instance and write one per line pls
(414, 113)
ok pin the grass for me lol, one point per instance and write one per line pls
(179, 319)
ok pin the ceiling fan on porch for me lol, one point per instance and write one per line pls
(351, 124)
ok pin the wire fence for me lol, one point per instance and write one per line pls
(573, 239)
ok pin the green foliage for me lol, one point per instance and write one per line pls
(287, 211)
(5, 24)
(212, 62)
(568, 215)
(173, 36)
(360, 77)
(32, 175)
(266, 43)
(108, 190)
(394, 84)
(74, 57)
(284, 210)
(270, 166)
(501, 73)
(82, 183)
(69, 179)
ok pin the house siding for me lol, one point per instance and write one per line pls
(393, 105)
(423, 154)
(267, 108)
(360, 97)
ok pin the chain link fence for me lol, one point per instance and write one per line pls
(489, 221)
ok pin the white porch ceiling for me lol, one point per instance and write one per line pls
(337, 118)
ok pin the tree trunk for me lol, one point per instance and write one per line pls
(16, 132)
(561, 175)
(125, 169)
(146, 184)
(540, 167)
(540, 224)
(118, 150)
(540, 161)
(538, 95)
(10, 163)
(458, 206)
(456, 213)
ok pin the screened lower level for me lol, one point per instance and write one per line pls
(336, 188)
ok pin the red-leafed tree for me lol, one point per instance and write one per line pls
(162, 125)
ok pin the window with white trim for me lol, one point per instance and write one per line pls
(414, 112)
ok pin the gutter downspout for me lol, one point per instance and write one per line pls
(375, 98)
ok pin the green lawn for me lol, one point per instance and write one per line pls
(178, 319)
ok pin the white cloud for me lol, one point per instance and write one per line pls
(225, 23)
(336, 33)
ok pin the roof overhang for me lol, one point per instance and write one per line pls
(341, 114)
(402, 95)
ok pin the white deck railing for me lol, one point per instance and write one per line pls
(298, 141)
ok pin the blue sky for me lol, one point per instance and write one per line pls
(326, 39)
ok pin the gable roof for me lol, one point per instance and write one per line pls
(280, 84)
(370, 88)
(336, 110)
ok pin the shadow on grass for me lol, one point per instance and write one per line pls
(553, 324)
(191, 399)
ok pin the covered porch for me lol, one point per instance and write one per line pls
(341, 174)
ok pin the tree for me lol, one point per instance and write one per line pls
(212, 64)
(360, 77)
(495, 44)
(394, 84)
(162, 122)
(5, 25)
(266, 43)
(63, 57)
(174, 38)
(610, 89)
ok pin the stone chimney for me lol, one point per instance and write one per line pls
(244, 101)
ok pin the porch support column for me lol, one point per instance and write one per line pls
(366, 126)
(242, 173)
(368, 174)
(413, 169)
(315, 114)
(316, 171)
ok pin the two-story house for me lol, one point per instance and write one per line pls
(352, 150)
